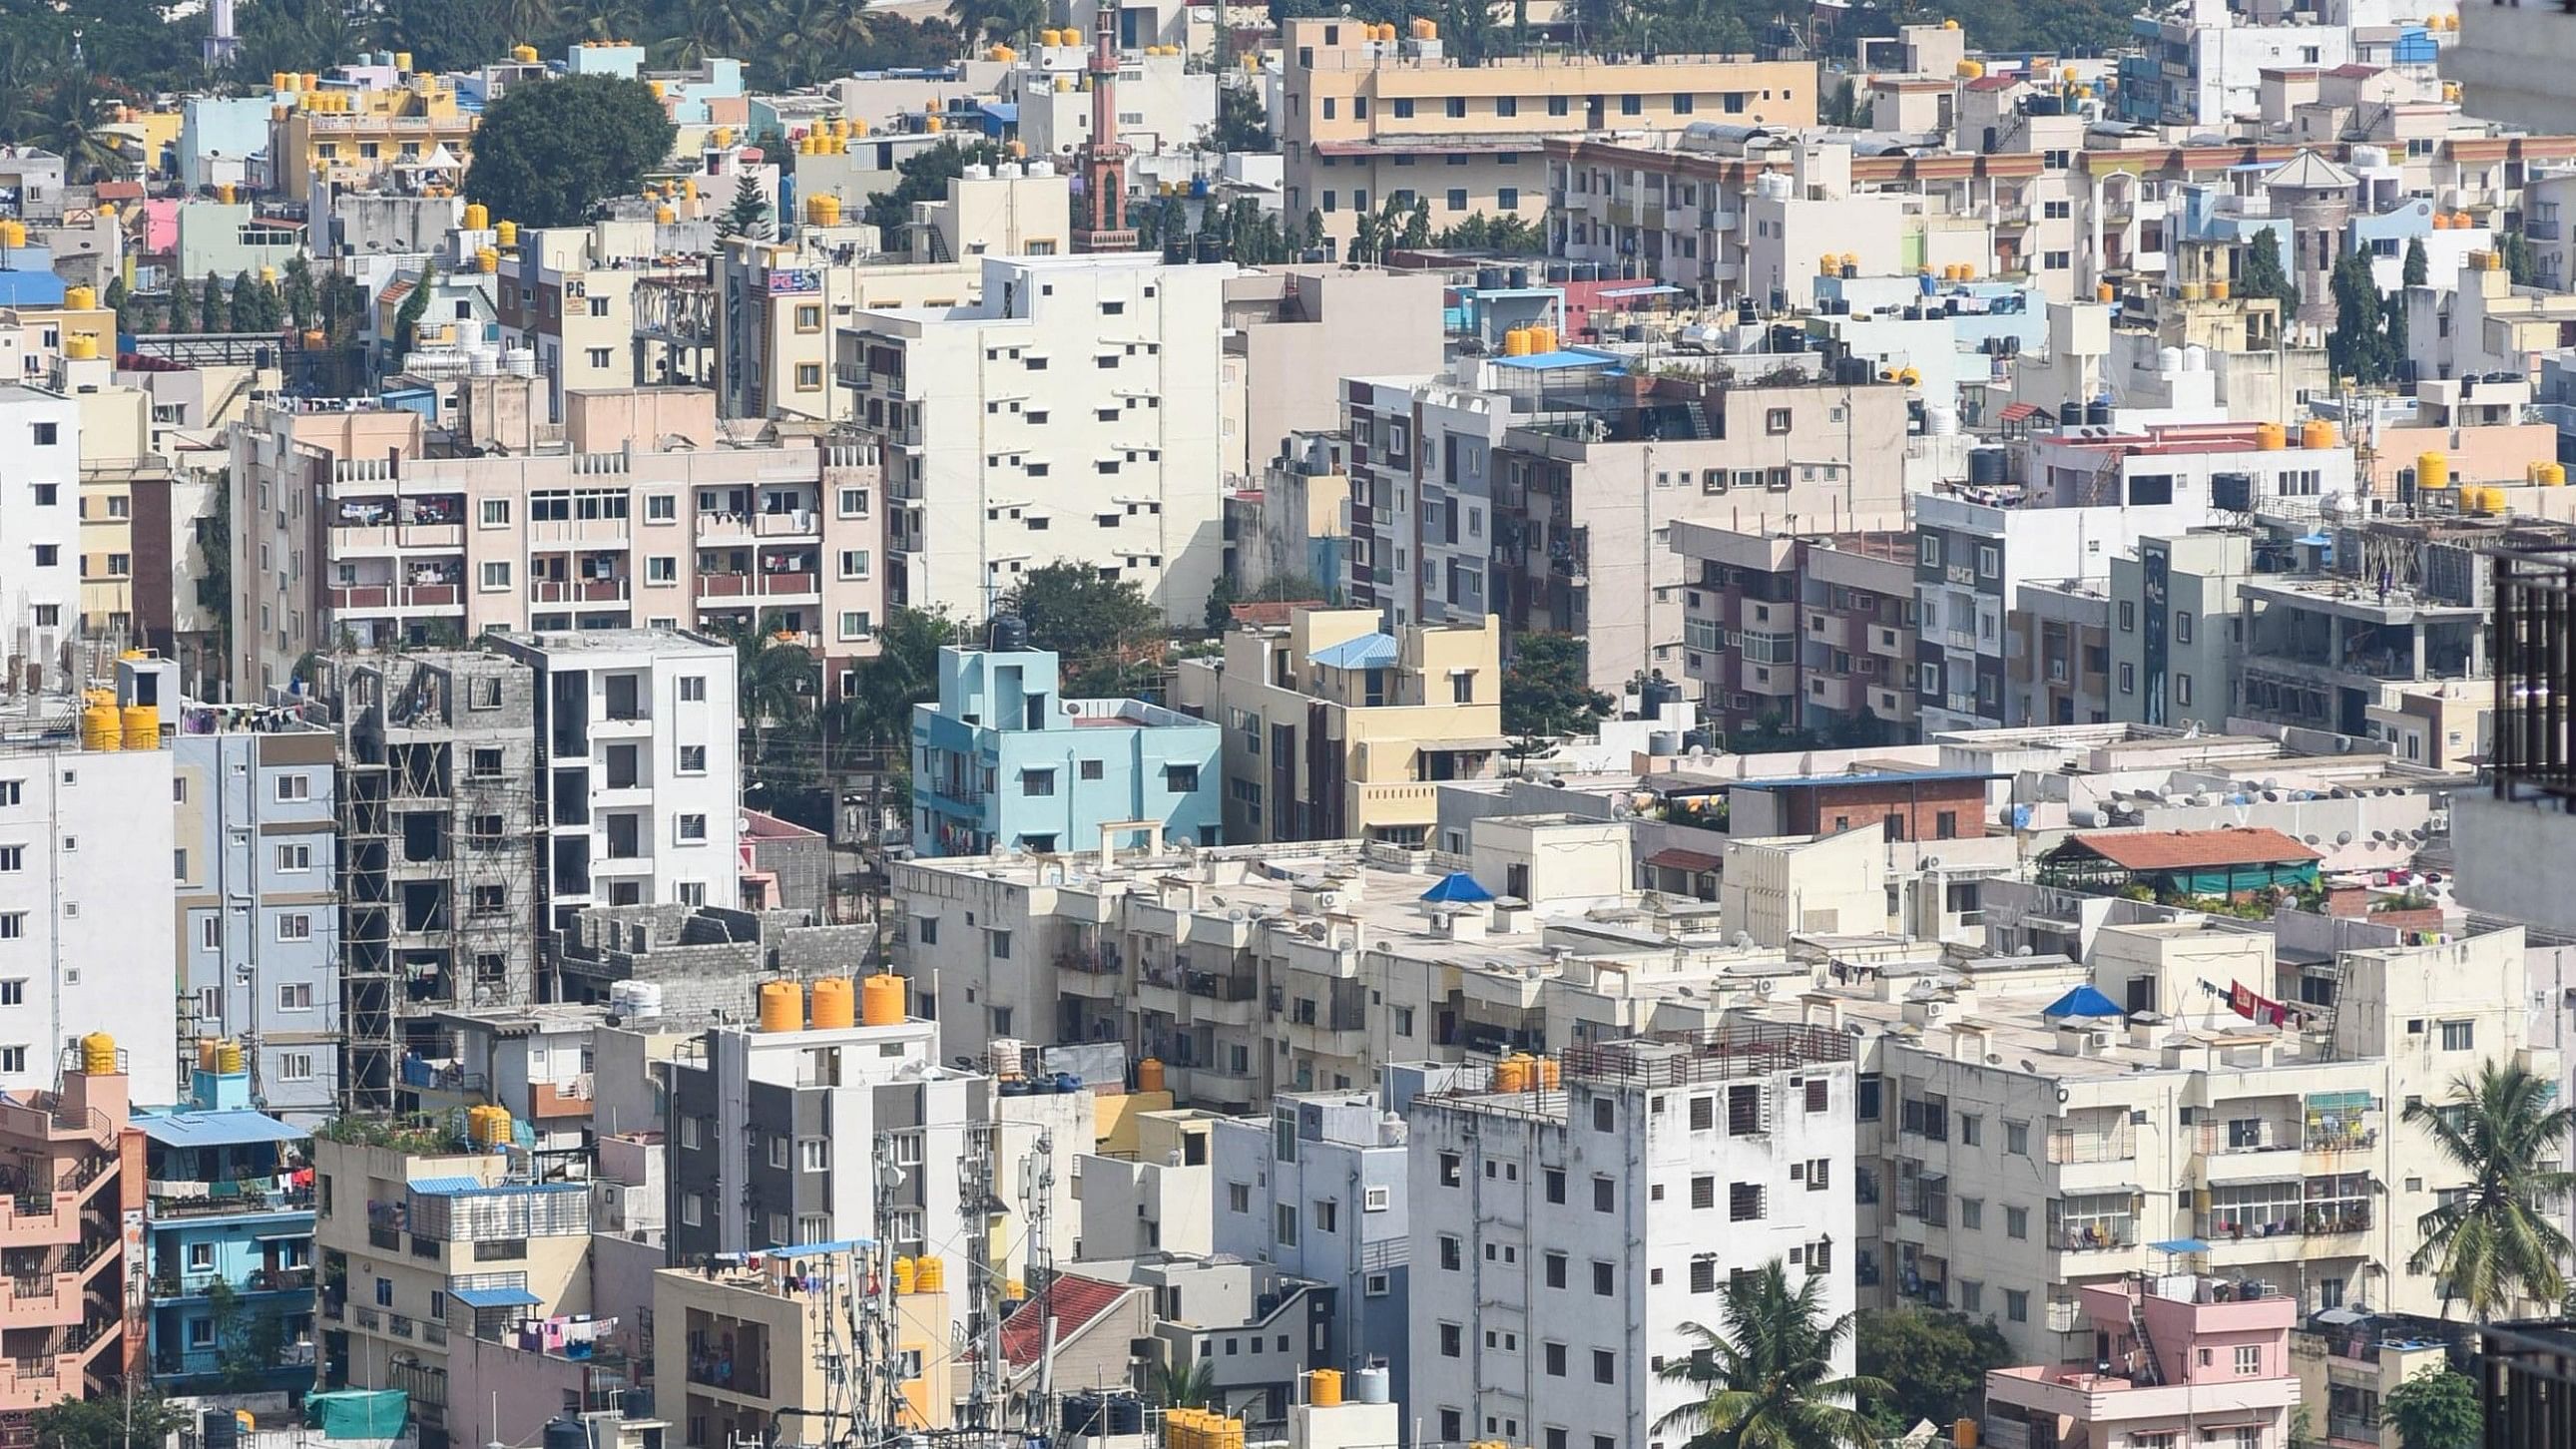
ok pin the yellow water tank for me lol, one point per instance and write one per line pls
(858, 128)
(2194, 291)
(1324, 1388)
(2218, 289)
(2441, 221)
(1951, 24)
(2105, 292)
(1910, 377)
(1972, 70)
(224, 192)
(782, 1006)
(929, 1274)
(720, 137)
(2552, 475)
(478, 217)
(13, 233)
(689, 187)
(98, 1054)
(314, 337)
(1512, 1074)
(833, 1003)
(506, 233)
(2271, 437)
(1425, 29)
(903, 1275)
(79, 299)
(228, 1056)
(933, 124)
(1963, 1434)
(142, 726)
(2316, 433)
(101, 728)
(2432, 472)
(205, 1054)
(524, 54)
(665, 215)
(402, 61)
(1149, 1075)
(81, 346)
(1550, 1074)
(1063, 83)
(2462, 221)
(487, 259)
(1516, 342)
(882, 1000)
(823, 209)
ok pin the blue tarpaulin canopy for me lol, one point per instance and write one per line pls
(1457, 889)
(2180, 1245)
(2082, 1001)
(495, 1297)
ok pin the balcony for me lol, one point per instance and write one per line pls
(2096, 1235)
(374, 597)
(793, 584)
(578, 591)
(246, 1196)
(723, 527)
(724, 586)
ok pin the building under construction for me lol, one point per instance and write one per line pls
(438, 824)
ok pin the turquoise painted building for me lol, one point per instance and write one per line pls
(1002, 762)
(229, 1202)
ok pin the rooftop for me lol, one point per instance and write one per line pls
(2184, 849)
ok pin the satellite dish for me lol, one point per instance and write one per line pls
(2343, 837)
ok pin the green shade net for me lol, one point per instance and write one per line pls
(358, 1413)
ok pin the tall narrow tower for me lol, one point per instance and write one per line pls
(221, 43)
(1100, 212)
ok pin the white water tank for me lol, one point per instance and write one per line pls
(2169, 360)
(1941, 421)
(2195, 358)
(1774, 186)
(522, 361)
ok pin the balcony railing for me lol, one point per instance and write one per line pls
(2097, 1235)
(2118, 1146)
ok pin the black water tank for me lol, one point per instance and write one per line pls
(1126, 1415)
(1654, 694)
(2071, 415)
(1010, 633)
(1520, 276)
(564, 1433)
(1082, 1416)
(1489, 279)
(218, 1430)
(2097, 413)
(1986, 467)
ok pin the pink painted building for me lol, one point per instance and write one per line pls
(2179, 1362)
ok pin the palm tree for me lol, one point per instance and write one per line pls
(2493, 1244)
(71, 121)
(817, 38)
(1766, 1381)
(529, 20)
(998, 19)
(774, 683)
(711, 28)
(1185, 1388)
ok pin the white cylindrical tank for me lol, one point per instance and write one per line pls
(2195, 358)
(1774, 186)
(1369, 1386)
(2169, 360)
(522, 361)
(1002, 1056)
(1940, 421)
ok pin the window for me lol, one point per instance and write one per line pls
(1452, 1340)
(1605, 1366)
(1452, 1254)
(1743, 1202)
(496, 574)
(2182, 689)
(294, 926)
(1551, 1358)
(1037, 783)
(662, 569)
(2017, 1305)
(814, 1154)
(1449, 1169)
(2017, 1138)
(1604, 1195)
(1605, 1279)
(2016, 1222)
(2459, 1036)
(1554, 1269)
(13, 993)
(294, 787)
(2128, 679)
(2249, 1360)
(855, 624)
(1456, 200)
(1552, 1182)
(693, 828)
(1972, 1213)
(2182, 626)
(1775, 420)
(661, 508)
(292, 859)
(1972, 1129)
(47, 434)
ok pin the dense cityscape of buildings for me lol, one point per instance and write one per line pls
(1878, 680)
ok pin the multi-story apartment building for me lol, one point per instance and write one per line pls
(346, 531)
(355, 136)
(1318, 1187)
(424, 1240)
(569, 294)
(1422, 501)
(746, 1353)
(40, 429)
(2511, 65)
(2058, 658)
(1587, 491)
(229, 1202)
(1003, 762)
(257, 846)
(776, 1136)
(2510, 835)
(2176, 617)
(2021, 1144)
(72, 1318)
(1565, 1226)
(1335, 728)
(1291, 332)
(773, 311)
(2205, 63)
(2407, 604)
(76, 820)
(1078, 399)
(1814, 632)
(2190, 1358)
(1365, 121)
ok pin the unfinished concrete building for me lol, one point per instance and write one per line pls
(439, 822)
(707, 961)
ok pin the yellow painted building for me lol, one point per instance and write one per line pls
(354, 136)
(736, 1348)
(1335, 729)
(1368, 115)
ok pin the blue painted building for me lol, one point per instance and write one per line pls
(1002, 762)
(228, 1200)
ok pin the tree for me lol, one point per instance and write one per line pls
(2436, 1409)
(1101, 629)
(2515, 248)
(2262, 275)
(459, 34)
(1934, 1365)
(212, 313)
(877, 712)
(748, 216)
(298, 295)
(247, 1340)
(546, 155)
(2395, 343)
(106, 1422)
(1765, 1378)
(1241, 123)
(1190, 1386)
(2419, 268)
(243, 314)
(1544, 693)
(2358, 346)
(415, 305)
(997, 19)
(776, 680)
(2492, 1244)
(178, 318)
(1416, 231)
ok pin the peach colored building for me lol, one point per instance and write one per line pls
(2181, 1360)
(2485, 431)
(639, 511)
(69, 1327)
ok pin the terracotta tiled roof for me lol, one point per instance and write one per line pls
(1270, 613)
(1073, 1301)
(1677, 858)
(2185, 849)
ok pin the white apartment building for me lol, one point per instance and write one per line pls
(40, 582)
(1562, 1234)
(1071, 413)
(641, 789)
(346, 531)
(2011, 1156)
(86, 930)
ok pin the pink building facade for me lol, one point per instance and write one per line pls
(2180, 1362)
